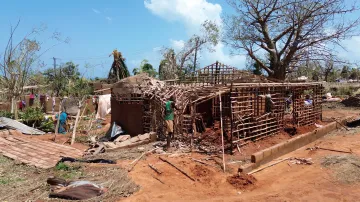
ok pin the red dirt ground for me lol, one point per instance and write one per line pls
(282, 182)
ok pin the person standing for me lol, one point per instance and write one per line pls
(62, 125)
(169, 119)
(31, 98)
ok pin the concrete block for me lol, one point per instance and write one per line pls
(257, 157)
(275, 150)
(267, 154)
(247, 168)
(153, 136)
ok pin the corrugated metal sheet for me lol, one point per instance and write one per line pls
(16, 125)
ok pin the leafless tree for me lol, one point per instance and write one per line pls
(286, 32)
(188, 55)
(18, 59)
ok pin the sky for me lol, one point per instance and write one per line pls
(137, 28)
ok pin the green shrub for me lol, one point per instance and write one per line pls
(32, 116)
(6, 114)
(47, 125)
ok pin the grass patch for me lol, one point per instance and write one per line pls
(7, 180)
(68, 171)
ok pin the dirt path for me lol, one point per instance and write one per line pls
(283, 182)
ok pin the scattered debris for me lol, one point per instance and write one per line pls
(77, 190)
(340, 124)
(242, 180)
(155, 169)
(132, 142)
(301, 161)
(177, 168)
(334, 150)
(346, 167)
(95, 149)
(202, 162)
(16, 125)
(69, 159)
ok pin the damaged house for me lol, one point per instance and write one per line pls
(251, 107)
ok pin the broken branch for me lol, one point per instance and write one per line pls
(155, 169)
(183, 172)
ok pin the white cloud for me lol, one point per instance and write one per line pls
(177, 44)
(108, 18)
(220, 55)
(190, 12)
(96, 11)
(352, 49)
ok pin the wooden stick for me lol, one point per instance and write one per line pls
(341, 124)
(58, 121)
(177, 168)
(263, 168)
(202, 162)
(76, 124)
(155, 169)
(238, 148)
(222, 133)
(133, 164)
(335, 150)
(157, 179)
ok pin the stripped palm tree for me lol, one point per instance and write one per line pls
(118, 69)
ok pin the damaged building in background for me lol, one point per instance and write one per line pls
(138, 104)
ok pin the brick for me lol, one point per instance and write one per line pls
(257, 157)
(267, 154)
(247, 168)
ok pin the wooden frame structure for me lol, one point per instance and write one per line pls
(243, 103)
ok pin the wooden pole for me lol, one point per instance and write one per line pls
(82, 113)
(275, 163)
(193, 108)
(133, 164)
(58, 121)
(183, 172)
(76, 124)
(222, 132)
